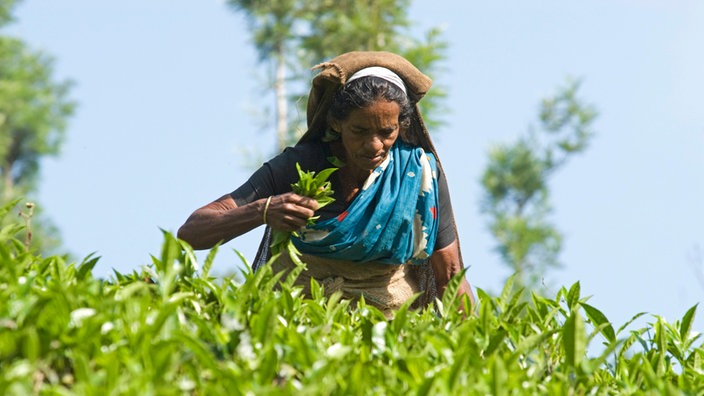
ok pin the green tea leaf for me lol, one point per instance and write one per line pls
(686, 325)
(310, 185)
(574, 339)
(573, 296)
(336, 162)
(499, 378)
(87, 266)
(599, 319)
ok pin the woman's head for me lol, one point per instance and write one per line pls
(368, 133)
(363, 91)
(338, 72)
(369, 114)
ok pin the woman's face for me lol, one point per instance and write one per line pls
(368, 134)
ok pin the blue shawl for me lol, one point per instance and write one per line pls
(393, 220)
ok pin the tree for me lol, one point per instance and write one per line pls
(33, 113)
(272, 24)
(294, 35)
(515, 182)
(375, 25)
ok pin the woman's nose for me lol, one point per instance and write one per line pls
(374, 143)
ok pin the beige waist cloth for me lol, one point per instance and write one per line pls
(384, 286)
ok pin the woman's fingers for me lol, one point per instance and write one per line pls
(289, 212)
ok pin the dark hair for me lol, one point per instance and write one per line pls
(364, 91)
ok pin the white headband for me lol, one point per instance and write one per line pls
(381, 72)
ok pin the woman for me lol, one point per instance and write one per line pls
(390, 232)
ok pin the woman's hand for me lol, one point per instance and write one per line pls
(222, 220)
(288, 212)
(446, 264)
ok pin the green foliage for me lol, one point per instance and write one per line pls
(516, 189)
(172, 328)
(336, 27)
(33, 113)
(294, 35)
(308, 185)
(314, 186)
(6, 7)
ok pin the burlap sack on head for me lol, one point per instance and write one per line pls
(335, 73)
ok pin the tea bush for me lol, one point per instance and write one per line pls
(174, 329)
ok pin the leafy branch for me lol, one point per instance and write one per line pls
(309, 185)
(516, 190)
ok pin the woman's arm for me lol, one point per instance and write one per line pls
(222, 220)
(446, 264)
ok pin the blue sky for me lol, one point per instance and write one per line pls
(168, 92)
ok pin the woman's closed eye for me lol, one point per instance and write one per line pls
(386, 132)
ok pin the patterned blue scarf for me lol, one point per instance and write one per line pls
(393, 219)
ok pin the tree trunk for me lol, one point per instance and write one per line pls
(281, 101)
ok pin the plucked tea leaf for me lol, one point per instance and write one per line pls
(309, 185)
(336, 162)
